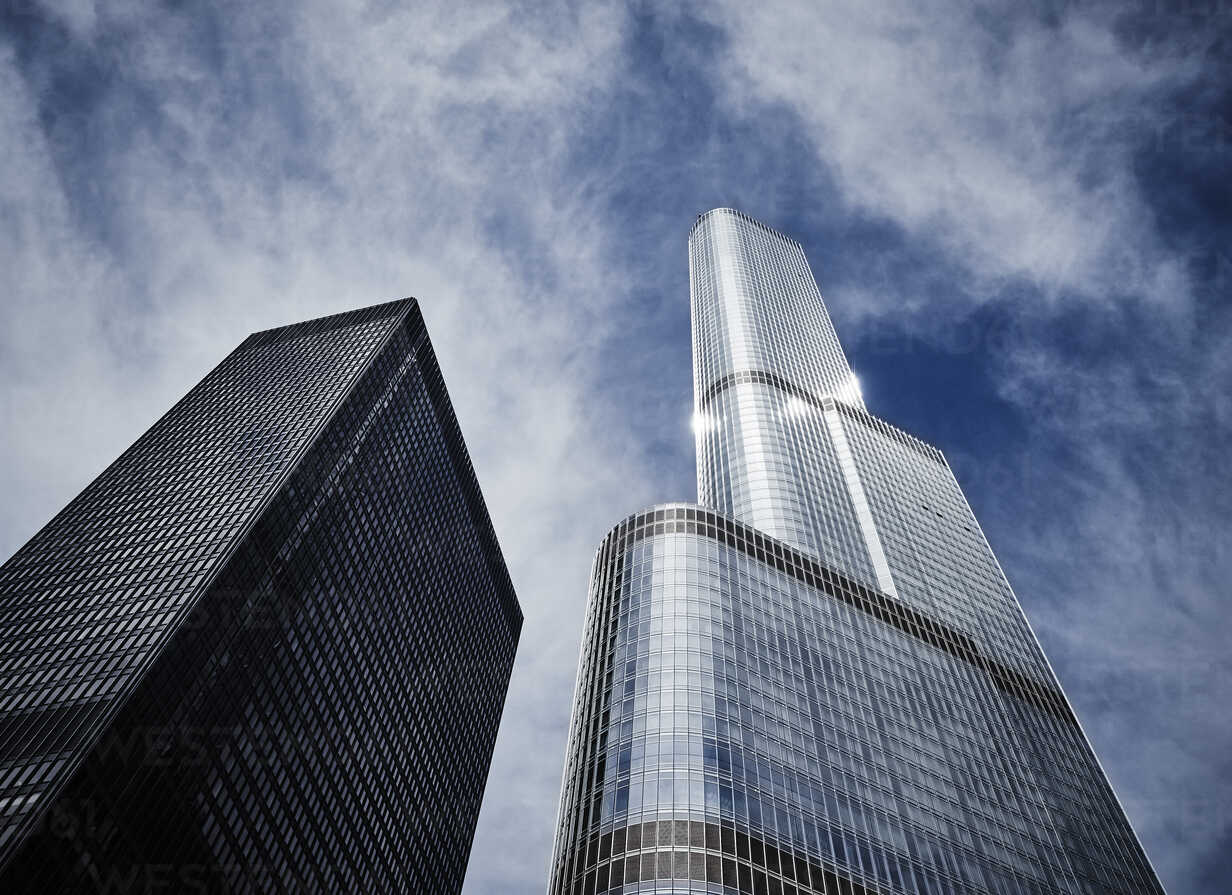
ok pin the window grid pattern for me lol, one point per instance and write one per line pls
(937, 554)
(749, 720)
(943, 565)
(324, 716)
(755, 306)
(759, 326)
(92, 596)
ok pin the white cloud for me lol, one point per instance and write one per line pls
(994, 137)
(274, 165)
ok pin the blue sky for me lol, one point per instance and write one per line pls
(1018, 215)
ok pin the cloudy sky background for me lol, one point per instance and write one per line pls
(1018, 214)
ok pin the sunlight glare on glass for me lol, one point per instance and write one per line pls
(796, 407)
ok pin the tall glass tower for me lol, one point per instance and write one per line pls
(267, 649)
(817, 680)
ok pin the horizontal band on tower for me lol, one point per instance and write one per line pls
(705, 852)
(764, 377)
(805, 568)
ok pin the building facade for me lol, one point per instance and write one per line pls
(268, 647)
(817, 679)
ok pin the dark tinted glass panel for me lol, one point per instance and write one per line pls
(291, 597)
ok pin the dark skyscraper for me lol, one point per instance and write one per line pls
(268, 647)
(818, 679)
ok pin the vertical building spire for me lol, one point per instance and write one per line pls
(818, 680)
(765, 359)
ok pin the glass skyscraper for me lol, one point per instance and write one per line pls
(817, 679)
(268, 647)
